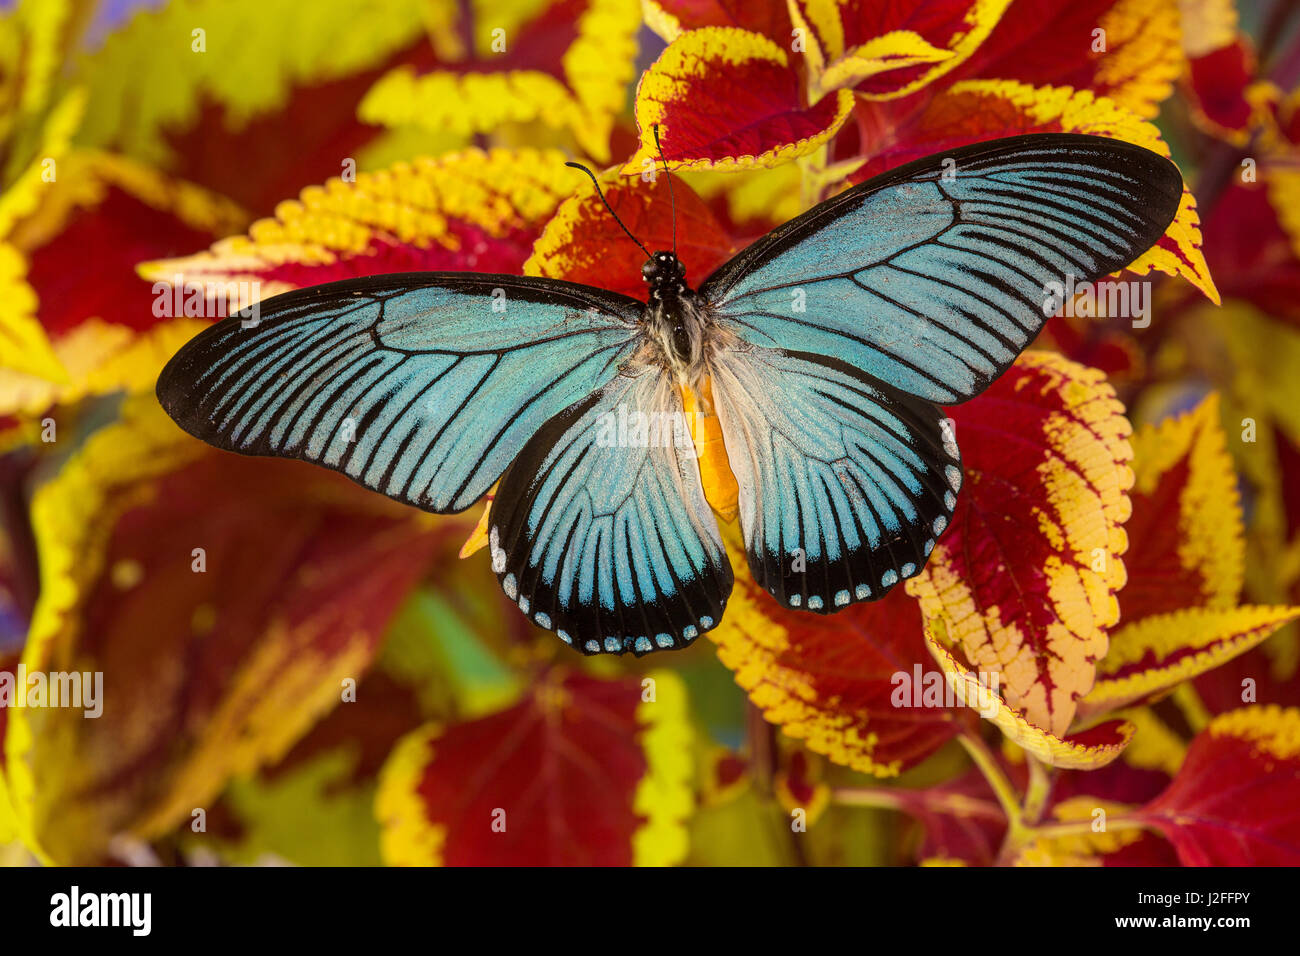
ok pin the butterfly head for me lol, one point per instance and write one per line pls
(664, 271)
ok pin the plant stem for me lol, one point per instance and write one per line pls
(888, 798)
(1041, 779)
(1084, 827)
(988, 765)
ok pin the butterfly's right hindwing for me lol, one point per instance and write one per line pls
(845, 484)
(423, 387)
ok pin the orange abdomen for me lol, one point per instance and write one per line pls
(715, 469)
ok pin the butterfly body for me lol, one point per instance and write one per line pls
(812, 366)
(676, 321)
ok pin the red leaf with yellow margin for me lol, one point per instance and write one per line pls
(1236, 800)
(799, 783)
(978, 110)
(1151, 656)
(1087, 750)
(224, 599)
(1127, 50)
(1249, 252)
(465, 211)
(1220, 70)
(888, 51)
(1186, 547)
(1179, 606)
(832, 681)
(568, 67)
(583, 243)
(725, 98)
(669, 18)
(1023, 584)
(583, 771)
(1217, 87)
(102, 216)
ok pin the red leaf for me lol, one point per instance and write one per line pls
(1236, 800)
(552, 781)
(833, 681)
(1023, 584)
(223, 598)
(1134, 60)
(583, 243)
(772, 20)
(728, 98)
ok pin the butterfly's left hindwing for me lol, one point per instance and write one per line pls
(600, 530)
(845, 484)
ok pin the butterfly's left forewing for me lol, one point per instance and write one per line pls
(600, 529)
(845, 484)
(421, 386)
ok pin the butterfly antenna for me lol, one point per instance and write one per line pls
(608, 206)
(672, 199)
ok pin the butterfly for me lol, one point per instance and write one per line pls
(825, 350)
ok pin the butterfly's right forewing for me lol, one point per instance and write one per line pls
(932, 278)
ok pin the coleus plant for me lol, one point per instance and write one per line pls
(1105, 636)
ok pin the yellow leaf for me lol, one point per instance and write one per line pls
(23, 345)
(1083, 849)
(891, 51)
(478, 538)
(1155, 745)
(665, 796)
(664, 24)
(1157, 653)
(1144, 54)
(839, 55)
(1089, 753)
(31, 186)
(344, 228)
(149, 77)
(98, 358)
(1207, 25)
(583, 98)
(1284, 195)
(1183, 473)
(765, 197)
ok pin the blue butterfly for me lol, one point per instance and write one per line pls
(824, 349)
